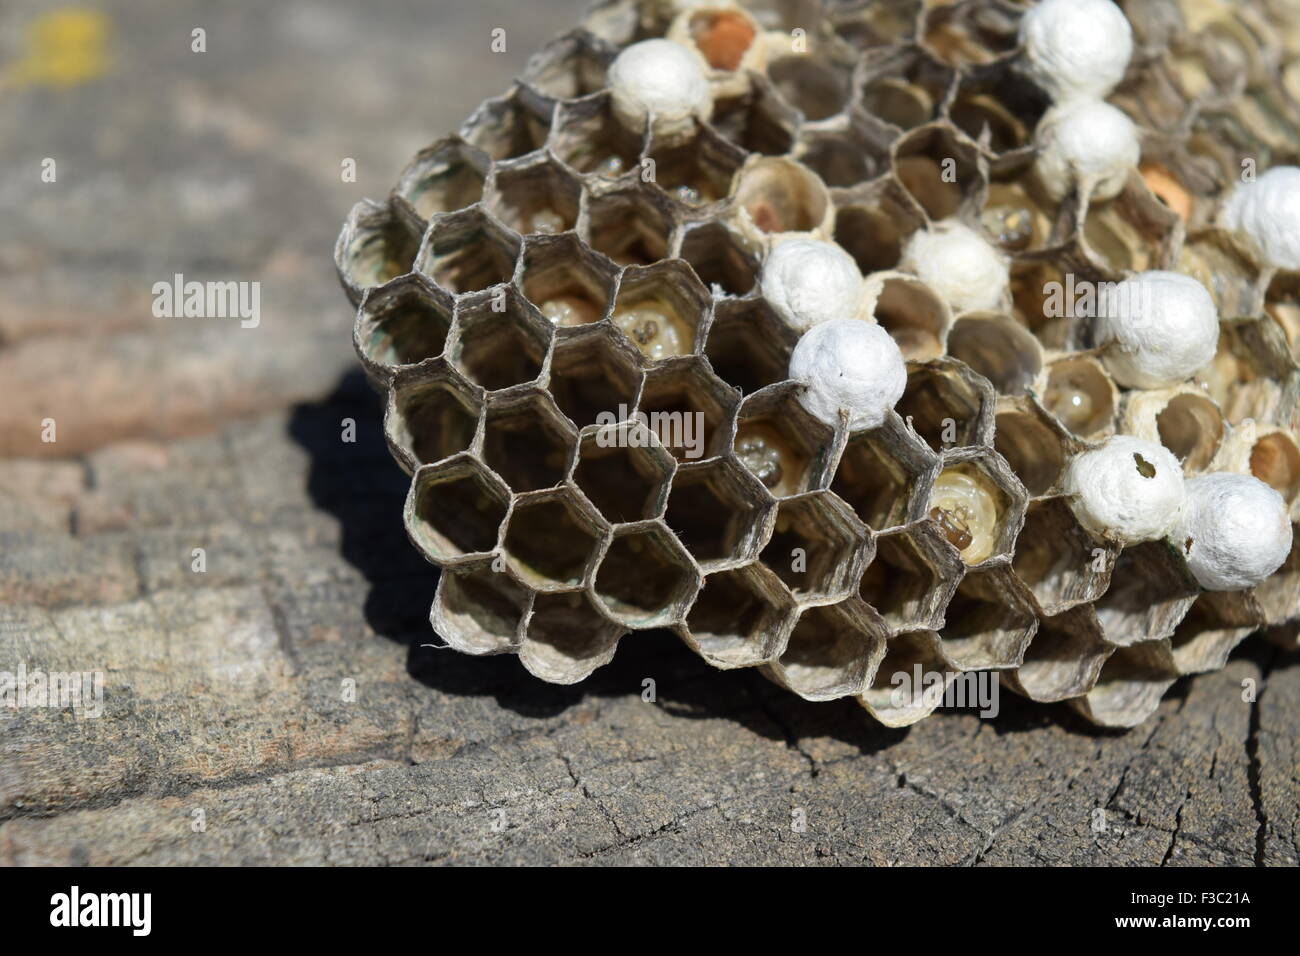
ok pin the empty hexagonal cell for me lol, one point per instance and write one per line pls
(948, 405)
(978, 505)
(497, 349)
(567, 637)
(719, 511)
(748, 345)
(444, 177)
(1274, 459)
(910, 682)
(1082, 396)
(911, 578)
(527, 441)
(818, 547)
(535, 195)
(1132, 682)
(646, 579)
(740, 618)
(695, 172)
(374, 246)
(913, 315)
(565, 280)
(567, 68)
(903, 87)
(758, 119)
(624, 471)
(468, 251)
(479, 610)
(1217, 622)
(718, 257)
(432, 414)
(815, 86)
(1000, 349)
(873, 225)
(779, 195)
(631, 225)
(506, 126)
(1001, 102)
(1185, 420)
(403, 323)
(1133, 232)
(1281, 304)
(833, 651)
(1060, 562)
(1251, 361)
(594, 372)
(1150, 591)
(552, 539)
(455, 508)
(885, 476)
(842, 157)
(871, 25)
(1064, 659)
(989, 621)
(661, 309)
(1037, 299)
(938, 169)
(1035, 445)
(963, 35)
(689, 408)
(785, 447)
(589, 139)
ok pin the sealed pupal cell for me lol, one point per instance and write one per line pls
(885, 475)
(661, 85)
(967, 271)
(989, 622)
(1234, 531)
(566, 638)
(848, 371)
(689, 408)
(1131, 684)
(719, 511)
(787, 449)
(1264, 212)
(444, 177)
(661, 309)
(832, 652)
(1184, 419)
(740, 618)
(1127, 490)
(455, 508)
(624, 471)
(818, 547)
(645, 578)
(1085, 146)
(1065, 658)
(478, 610)
(553, 539)
(1156, 328)
(375, 245)
(1076, 48)
(1060, 562)
(1081, 395)
(400, 324)
(526, 439)
(570, 284)
(1000, 349)
(1279, 596)
(911, 577)
(535, 195)
(468, 251)
(776, 195)
(748, 346)
(896, 697)
(810, 281)
(432, 413)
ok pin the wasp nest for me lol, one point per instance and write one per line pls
(583, 307)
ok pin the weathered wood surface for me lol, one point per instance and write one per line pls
(225, 689)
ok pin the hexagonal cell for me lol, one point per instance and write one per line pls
(903, 87)
(589, 139)
(748, 345)
(1132, 682)
(1016, 216)
(1000, 101)
(913, 315)
(646, 579)
(885, 476)
(594, 371)
(1034, 300)
(948, 405)
(978, 505)
(785, 447)
(535, 195)
(1035, 445)
(695, 172)
(757, 120)
(896, 698)
(624, 471)
(498, 349)
(566, 638)
(1000, 349)
(716, 254)
(1065, 658)
(505, 127)
(1185, 420)
(964, 35)
(444, 177)
(432, 413)
(467, 251)
(940, 170)
(1217, 622)
(661, 309)
(912, 578)
(1058, 560)
(375, 245)
(873, 225)
(478, 610)
(740, 618)
(552, 539)
(689, 408)
(725, 36)
(1150, 591)
(631, 225)
(815, 86)
(527, 441)
(400, 324)
(989, 621)
(775, 195)
(1279, 595)
(719, 511)
(1081, 396)
(867, 26)
(1245, 378)
(818, 547)
(1133, 232)
(567, 68)
(1275, 460)
(569, 283)
(842, 157)
(833, 651)
(1282, 305)
(455, 508)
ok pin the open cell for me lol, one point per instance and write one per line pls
(432, 414)
(989, 621)
(740, 618)
(527, 441)
(832, 652)
(1061, 563)
(911, 578)
(645, 578)
(781, 444)
(552, 539)
(818, 547)
(479, 610)
(498, 349)
(689, 408)
(624, 471)
(455, 508)
(566, 638)
(444, 177)
(748, 345)
(468, 251)
(595, 373)
(718, 510)
(568, 283)
(402, 324)
(885, 476)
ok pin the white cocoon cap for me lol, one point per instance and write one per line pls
(808, 282)
(1089, 142)
(1076, 48)
(1128, 490)
(1160, 328)
(662, 79)
(1267, 212)
(849, 364)
(1234, 531)
(959, 264)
